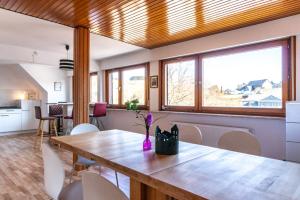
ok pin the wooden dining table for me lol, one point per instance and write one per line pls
(196, 172)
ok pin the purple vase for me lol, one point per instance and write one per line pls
(147, 142)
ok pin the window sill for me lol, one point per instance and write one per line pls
(207, 114)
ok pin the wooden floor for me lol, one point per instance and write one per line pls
(21, 169)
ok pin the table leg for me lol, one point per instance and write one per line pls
(75, 158)
(140, 191)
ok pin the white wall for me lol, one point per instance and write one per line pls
(16, 83)
(13, 77)
(269, 131)
(46, 75)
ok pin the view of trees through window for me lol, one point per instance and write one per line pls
(180, 82)
(247, 79)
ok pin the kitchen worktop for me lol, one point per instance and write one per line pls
(10, 107)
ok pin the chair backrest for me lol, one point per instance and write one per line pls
(96, 187)
(55, 110)
(38, 112)
(99, 110)
(191, 134)
(84, 128)
(241, 142)
(54, 173)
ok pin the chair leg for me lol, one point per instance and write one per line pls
(50, 129)
(39, 128)
(38, 132)
(55, 129)
(71, 173)
(102, 125)
(97, 120)
(68, 127)
(117, 180)
(42, 132)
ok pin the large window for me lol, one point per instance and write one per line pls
(126, 84)
(253, 79)
(94, 87)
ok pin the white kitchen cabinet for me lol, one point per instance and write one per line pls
(10, 122)
(293, 151)
(293, 131)
(29, 122)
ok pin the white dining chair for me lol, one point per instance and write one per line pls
(54, 176)
(82, 129)
(190, 133)
(241, 142)
(96, 187)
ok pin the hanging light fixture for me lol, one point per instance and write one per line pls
(66, 64)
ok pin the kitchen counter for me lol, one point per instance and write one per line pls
(10, 107)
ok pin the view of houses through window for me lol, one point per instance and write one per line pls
(253, 78)
(248, 79)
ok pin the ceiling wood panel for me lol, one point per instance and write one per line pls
(155, 23)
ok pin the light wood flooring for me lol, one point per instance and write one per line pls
(21, 168)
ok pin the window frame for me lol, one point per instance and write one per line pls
(94, 74)
(288, 86)
(144, 106)
(164, 83)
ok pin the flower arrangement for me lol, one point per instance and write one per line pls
(145, 118)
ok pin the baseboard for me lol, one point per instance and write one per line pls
(17, 132)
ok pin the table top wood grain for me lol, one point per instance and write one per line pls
(196, 172)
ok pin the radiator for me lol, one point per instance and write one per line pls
(212, 133)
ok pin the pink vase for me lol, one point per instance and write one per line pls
(147, 142)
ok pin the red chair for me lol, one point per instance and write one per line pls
(98, 112)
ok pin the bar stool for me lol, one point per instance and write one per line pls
(99, 111)
(57, 112)
(40, 131)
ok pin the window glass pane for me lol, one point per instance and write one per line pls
(251, 79)
(93, 88)
(113, 88)
(133, 83)
(180, 83)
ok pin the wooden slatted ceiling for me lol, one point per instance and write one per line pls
(154, 23)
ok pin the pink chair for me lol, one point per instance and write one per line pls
(98, 112)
